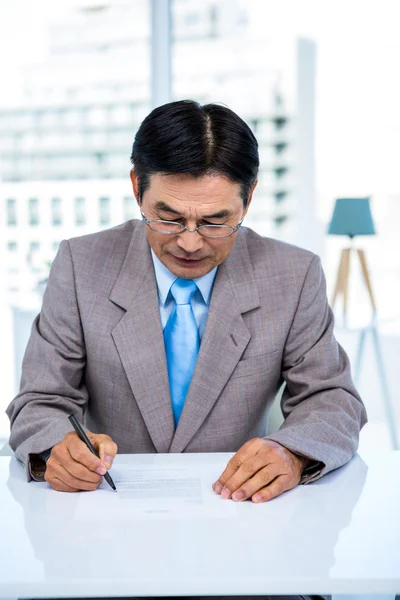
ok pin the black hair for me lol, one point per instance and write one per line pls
(185, 137)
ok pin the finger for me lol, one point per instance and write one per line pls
(81, 453)
(59, 486)
(59, 472)
(105, 446)
(278, 486)
(72, 450)
(56, 483)
(248, 487)
(82, 473)
(78, 471)
(244, 453)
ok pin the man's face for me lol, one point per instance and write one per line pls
(211, 199)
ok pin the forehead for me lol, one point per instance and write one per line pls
(199, 191)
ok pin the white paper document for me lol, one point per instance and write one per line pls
(153, 492)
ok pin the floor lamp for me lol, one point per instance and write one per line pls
(351, 216)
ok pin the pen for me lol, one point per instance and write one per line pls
(82, 435)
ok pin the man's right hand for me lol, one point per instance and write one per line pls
(72, 467)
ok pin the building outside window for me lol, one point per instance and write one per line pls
(33, 211)
(34, 247)
(129, 208)
(74, 93)
(104, 211)
(11, 212)
(80, 211)
(33, 255)
(12, 262)
(56, 211)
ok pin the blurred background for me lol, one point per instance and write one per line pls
(316, 81)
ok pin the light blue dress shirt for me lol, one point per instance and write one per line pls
(200, 300)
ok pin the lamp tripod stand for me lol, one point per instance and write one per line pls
(342, 279)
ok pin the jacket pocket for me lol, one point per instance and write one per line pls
(254, 365)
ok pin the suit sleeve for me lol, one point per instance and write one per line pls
(323, 411)
(52, 382)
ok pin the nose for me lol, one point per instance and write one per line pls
(190, 241)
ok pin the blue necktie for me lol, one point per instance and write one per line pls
(181, 338)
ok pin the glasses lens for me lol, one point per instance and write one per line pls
(216, 231)
(165, 226)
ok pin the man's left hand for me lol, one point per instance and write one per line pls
(261, 470)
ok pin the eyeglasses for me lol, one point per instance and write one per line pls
(173, 227)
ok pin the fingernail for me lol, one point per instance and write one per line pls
(226, 494)
(218, 488)
(101, 470)
(237, 496)
(107, 460)
(257, 498)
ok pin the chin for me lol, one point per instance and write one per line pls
(188, 272)
(184, 273)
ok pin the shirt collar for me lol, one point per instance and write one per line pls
(165, 279)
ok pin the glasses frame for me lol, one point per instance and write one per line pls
(233, 228)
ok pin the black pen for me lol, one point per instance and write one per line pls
(82, 435)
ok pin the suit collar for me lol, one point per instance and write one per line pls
(236, 274)
(135, 267)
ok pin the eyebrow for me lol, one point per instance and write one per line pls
(222, 214)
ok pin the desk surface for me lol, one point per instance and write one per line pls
(338, 535)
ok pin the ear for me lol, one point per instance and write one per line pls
(253, 187)
(135, 185)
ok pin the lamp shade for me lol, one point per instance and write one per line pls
(352, 216)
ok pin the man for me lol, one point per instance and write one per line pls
(174, 333)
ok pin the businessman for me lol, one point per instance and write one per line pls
(173, 333)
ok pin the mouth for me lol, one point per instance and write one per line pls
(188, 262)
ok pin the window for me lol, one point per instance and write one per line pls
(48, 119)
(12, 258)
(33, 211)
(33, 256)
(97, 116)
(121, 115)
(34, 247)
(56, 212)
(71, 118)
(74, 96)
(129, 208)
(104, 211)
(80, 211)
(11, 212)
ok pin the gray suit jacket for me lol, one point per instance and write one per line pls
(97, 349)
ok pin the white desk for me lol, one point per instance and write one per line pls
(340, 535)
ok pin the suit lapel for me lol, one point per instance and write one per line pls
(224, 341)
(139, 340)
